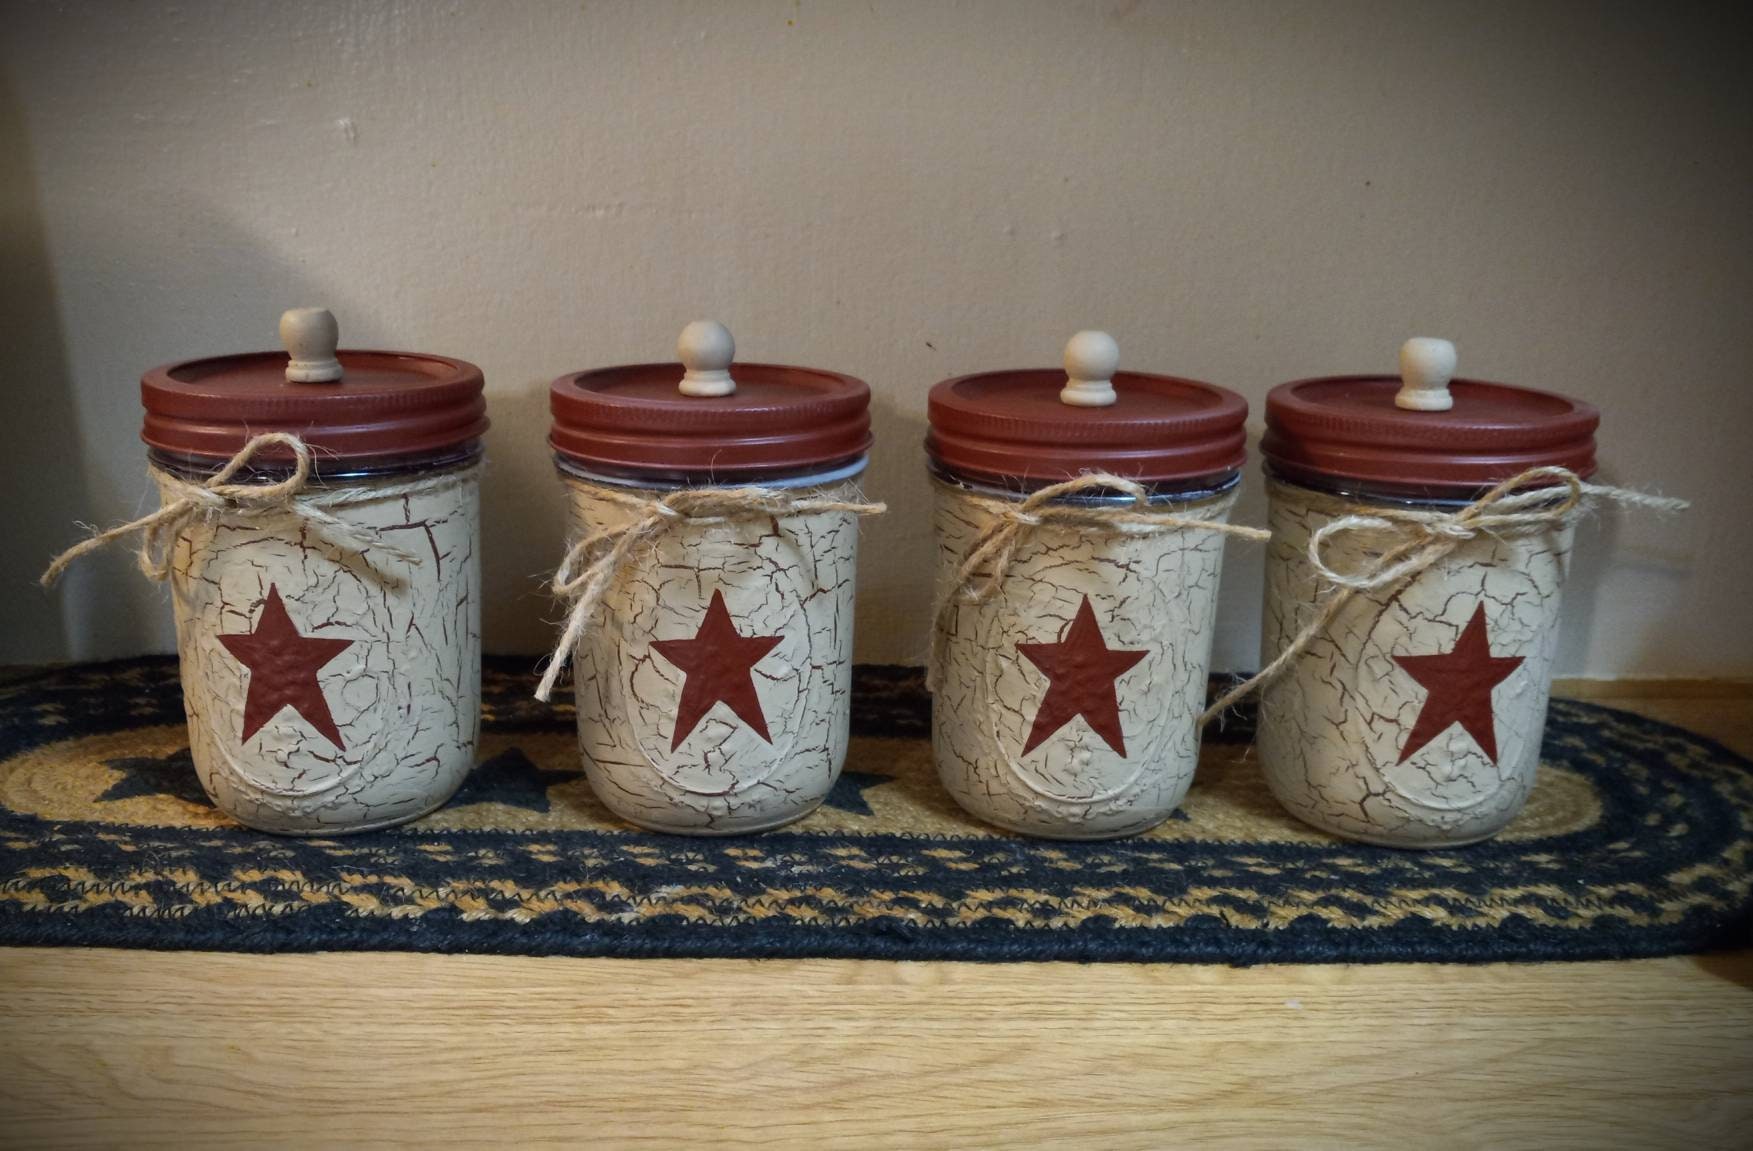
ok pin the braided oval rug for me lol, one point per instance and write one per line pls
(1638, 841)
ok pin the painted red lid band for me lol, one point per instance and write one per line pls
(1013, 427)
(780, 420)
(1347, 430)
(386, 407)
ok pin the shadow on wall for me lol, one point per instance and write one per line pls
(1592, 551)
(73, 423)
(524, 523)
(894, 606)
(1241, 592)
(45, 483)
(1598, 550)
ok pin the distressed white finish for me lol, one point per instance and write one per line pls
(706, 349)
(791, 577)
(1254, 192)
(1333, 726)
(406, 695)
(1426, 367)
(1091, 359)
(1156, 593)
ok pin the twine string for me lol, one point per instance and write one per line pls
(185, 503)
(591, 564)
(984, 568)
(1524, 502)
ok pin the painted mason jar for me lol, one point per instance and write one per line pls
(1413, 716)
(1075, 625)
(715, 520)
(326, 578)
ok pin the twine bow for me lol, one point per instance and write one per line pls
(995, 547)
(590, 565)
(1522, 502)
(219, 496)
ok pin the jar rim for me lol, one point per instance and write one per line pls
(324, 468)
(1389, 495)
(1158, 493)
(646, 481)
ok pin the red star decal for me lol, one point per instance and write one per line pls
(716, 666)
(283, 670)
(1080, 669)
(1460, 686)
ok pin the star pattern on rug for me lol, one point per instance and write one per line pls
(1081, 671)
(283, 665)
(847, 794)
(510, 778)
(146, 776)
(717, 666)
(1458, 686)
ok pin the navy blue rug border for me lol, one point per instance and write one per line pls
(436, 933)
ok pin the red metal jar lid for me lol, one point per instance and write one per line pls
(748, 423)
(1020, 426)
(386, 407)
(1349, 430)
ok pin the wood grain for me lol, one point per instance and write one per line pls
(170, 1049)
(150, 1049)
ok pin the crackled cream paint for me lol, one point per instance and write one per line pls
(405, 694)
(1333, 727)
(790, 577)
(1156, 594)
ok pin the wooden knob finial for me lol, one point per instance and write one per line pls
(310, 336)
(706, 350)
(1426, 367)
(1091, 359)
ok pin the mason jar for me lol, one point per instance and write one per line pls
(329, 642)
(1066, 698)
(713, 678)
(1414, 717)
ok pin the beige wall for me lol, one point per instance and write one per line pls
(1241, 193)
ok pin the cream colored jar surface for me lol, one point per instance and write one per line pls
(714, 685)
(326, 691)
(1415, 719)
(1067, 703)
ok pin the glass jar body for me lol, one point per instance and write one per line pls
(1415, 719)
(1037, 726)
(330, 691)
(714, 684)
